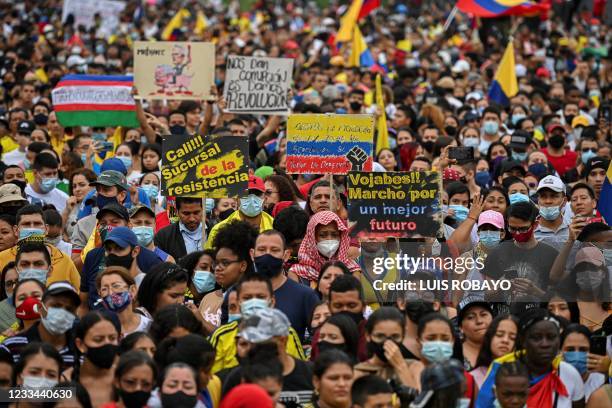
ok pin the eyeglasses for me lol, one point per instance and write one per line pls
(115, 288)
(270, 192)
(224, 263)
(519, 230)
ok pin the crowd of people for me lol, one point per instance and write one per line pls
(129, 298)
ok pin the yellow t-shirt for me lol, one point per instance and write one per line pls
(8, 144)
(264, 225)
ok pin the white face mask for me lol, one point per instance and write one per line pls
(38, 382)
(328, 247)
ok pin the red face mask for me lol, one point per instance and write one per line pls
(523, 237)
(28, 310)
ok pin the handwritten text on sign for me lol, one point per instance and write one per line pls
(257, 85)
(394, 204)
(336, 144)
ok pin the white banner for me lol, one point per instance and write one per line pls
(84, 11)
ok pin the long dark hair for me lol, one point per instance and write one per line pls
(158, 279)
(33, 349)
(485, 357)
(349, 331)
(130, 360)
(10, 265)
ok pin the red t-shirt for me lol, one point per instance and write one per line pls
(562, 163)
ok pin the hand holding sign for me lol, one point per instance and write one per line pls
(357, 156)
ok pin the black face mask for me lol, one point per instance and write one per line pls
(569, 119)
(178, 130)
(378, 350)
(41, 119)
(355, 106)
(356, 317)
(268, 265)
(450, 130)
(556, 141)
(136, 399)
(134, 147)
(103, 356)
(178, 400)
(224, 214)
(326, 345)
(116, 260)
(417, 309)
(428, 146)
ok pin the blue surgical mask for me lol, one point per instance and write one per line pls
(232, 317)
(437, 351)
(578, 359)
(127, 161)
(550, 213)
(150, 190)
(471, 142)
(47, 184)
(210, 205)
(58, 320)
(519, 156)
(27, 164)
(249, 307)
(518, 198)
(538, 169)
(489, 239)
(144, 235)
(490, 127)
(83, 158)
(482, 178)
(483, 147)
(28, 232)
(586, 156)
(34, 273)
(251, 205)
(517, 117)
(204, 281)
(461, 212)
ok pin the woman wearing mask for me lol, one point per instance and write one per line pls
(179, 388)
(332, 379)
(150, 184)
(138, 341)
(499, 340)
(97, 339)
(385, 334)
(8, 281)
(124, 153)
(39, 366)
(496, 153)
(517, 190)
(134, 380)
(207, 294)
(517, 113)
(470, 137)
(443, 385)
(586, 149)
(78, 189)
(174, 321)
(339, 332)
(117, 289)
(27, 297)
(133, 140)
(329, 272)
(576, 347)
(326, 239)
(150, 157)
(164, 285)
(224, 207)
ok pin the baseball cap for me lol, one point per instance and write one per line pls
(542, 72)
(595, 163)
(122, 236)
(247, 395)
(435, 377)
(509, 165)
(62, 288)
(26, 127)
(473, 95)
(10, 192)
(111, 178)
(113, 164)
(263, 325)
(255, 183)
(580, 120)
(491, 217)
(520, 139)
(555, 126)
(553, 183)
(460, 67)
(469, 302)
(591, 255)
(471, 117)
(137, 208)
(114, 208)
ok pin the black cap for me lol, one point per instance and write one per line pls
(471, 301)
(138, 208)
(62, 288)
(437, 376)
(114, 208)
(26, 127)
(595, 163)
(509, 165)
(520, 139)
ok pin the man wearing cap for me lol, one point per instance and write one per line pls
(551, 228)
(11, 199)
(511, 168)
(43, 189)
(562, 158)
(521, 144)
(120, 248)
(186, 236)
(24, 131)
(250, 209)
(57, 311)
(595, 173)
(142, 220)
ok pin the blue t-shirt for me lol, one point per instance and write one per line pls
(297, 302)
(95, 262)
(85, 208)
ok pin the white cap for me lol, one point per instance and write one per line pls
(473, 95)
(553, 183)
(461, 66)
(378, 167)
(520, 70)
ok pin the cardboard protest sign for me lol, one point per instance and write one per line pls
(257, 85)
(195, 167)
(329, 144)
(174, 70)
(85, 10)
(394, 204)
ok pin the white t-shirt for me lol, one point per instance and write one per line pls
(56, 197)
(573, 383)
(14, 157)
(592, 383)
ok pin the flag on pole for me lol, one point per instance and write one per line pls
(497, 8)
(604, 204)
(201, 23)
(95, 100)
(504, 85)
(382, 133)
(367, 7)
(175, 23)
(360, 54)
(348, 22)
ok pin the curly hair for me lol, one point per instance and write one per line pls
(239, 237)
(285, 192)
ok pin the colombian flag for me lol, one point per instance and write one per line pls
(360, 54)
(358, 10)
(497, 8)
(382, 138)
(505, 85)
(604, 205)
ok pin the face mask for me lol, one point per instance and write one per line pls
(357, 317)
(177, 130)
(38, 382)
(144, 235)
(577, 133)
(48, 184)
(150, 190)
(118, 302)
(415, 309)
(471, 142)
(589, 281)
(251, 205)
(224, 214)
(586, 156)
(463, 403)
(483, 147)
(249, 307)
(41, 119)
(116, 260)
(53, 241)
(135, 399)
(103, 356)
(516, 118)
(569, 119)
(538, 169)
(204, 281)
(103, 201)
(58, 320)
(578, 359)
(268, 265)
(490, 127)
(28, 232)
(328, 247)
(489, 239)
(522, 237)
(437, 351)
(518, 198)
(326, 345)
(482, 178)
(520, 156)
(355, 106)
(127, 161)
(461, 212)
(450, 130)
(557, 141)
(26, 164)
(232, 317)
(378, 350)
(28, 310)
(210, 205)
(134, 146)
(33, 273)
(428, 146)
(178, 400)
(550, 213)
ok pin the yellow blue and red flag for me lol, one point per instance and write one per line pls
(504, 85)
(497, 8)
(604, 205)
(360, 53)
